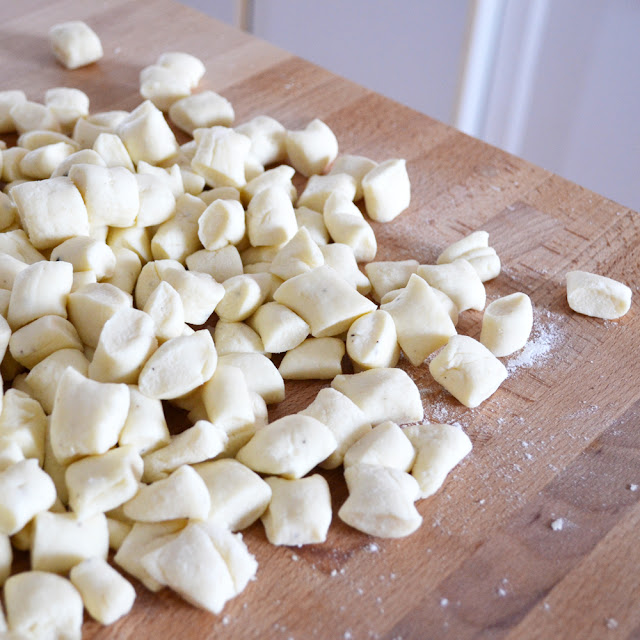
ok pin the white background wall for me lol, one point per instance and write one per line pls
(563, 88)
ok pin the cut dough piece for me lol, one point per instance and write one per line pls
(383, 394)
(439, 448)
(390, 275)
(341, 258)
(474, 248)
(260, 374)
(387, 190)
(204, 109)
(468, 370)
(385, 445)
(289, 447)
(506, 324)
(312, 149)
(355, 166)
(299, 512)
(372, 341)
(381, 501)
(279, 328)
(597, 296)
(313, 359)
(299, 255)
(319, 188)
(75, 44)
(459, 280)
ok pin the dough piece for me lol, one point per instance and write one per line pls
(145, 426)
(459, 281)
(506, 324)
(387, 190)
(183, 494)
(220, 156)
(238, 495)
(220, 224)
(184, 65)
(289, 447)
(40, 163)
(468, 370)
(439, 448)
(313, 222)
(324, 300)
(17, 244)
(67, 104)
(381, 501)
(355, 166)
(385, 445)
(277, 177)
(383, 394)
(344, 418)
(33, 116)
(372, 341)
(319, 188)
(118, 531)
(179, 366)
(86, 254)
(75, 44)
(597, 296)
(267, 139)
(164, 307)
(162, 86)
(390, 275)
(341, 258)
(62, 540)
(87, 416)
(97, 484)
(299, 255)
(261, 375)
(43, 605)
(312, 149)
(279, 328)
(200, 442)
(313, 359)
(26, 491)
(476, 250)
(422, 323)
(157, 202)
(87, 129)
(236, 337)
(299, 512)
(8, 99)
(271, 219)
(204, 109)
(51, 211)
(170, 176)
(126, 342)
(243, 295)
(107, 596)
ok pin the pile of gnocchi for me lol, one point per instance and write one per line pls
(135, 271)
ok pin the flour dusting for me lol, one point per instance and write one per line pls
(545, 336)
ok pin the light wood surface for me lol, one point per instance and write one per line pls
(560, 439)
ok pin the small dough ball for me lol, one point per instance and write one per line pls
(312, 149)
(299, 512)
(467, 370)
(506, 324)
(75, 44)
(372, 341)
(387, 190)
(204, 109)
(597, 296)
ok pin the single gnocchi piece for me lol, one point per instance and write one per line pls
(313, 222)
(289, 447)
(8, 99)
(40, 163)
(220, 264)
(355, 166)
(201, 110)
(597, 296)
(299, 255)
(439, 448)
(312, 149)
(164, 306)
(145, 426)
(236, 337)
(313, 359)
(385, 445)
(33, 116)
(340, 258)
(506, 324)
(279, 328)
(221, 223)
(43, 605)
(67, 104)
(106, 595)
(383, 394)
(299, 512)
(271, 219)
(75, 44)
(459, 281)
(267, 137)
(387, 190)
(372, 341)
(381, 501)
(389, 275)
(467, 370)
(261, 375)
(23, 422)
(183, 64)
(86, 254)
(476, 250)
(319, 188)
(220, 156)
(162, 86)
(280, 176)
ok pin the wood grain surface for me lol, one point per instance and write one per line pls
(560, 438)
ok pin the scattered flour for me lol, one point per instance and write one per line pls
(444, 602)
(633, 487)
(612, 623)
(558, 524)
(545, 336)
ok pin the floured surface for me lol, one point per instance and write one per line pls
(559, 440)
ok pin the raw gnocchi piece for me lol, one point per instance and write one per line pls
(319, 188)
(422, 323)
(355, 166)
(476, 250)
(162, 86)
(86, 254)
(289, 447)
(324, 300)
(200, 442)
(67, 104)
(106, 595)
(40, 290)
(299, 255)
(87, 416)
(182, 494)
(86, 130)
(40, 163)
(97, 484)
(279, 176)
(372, 341)
(220, 156)
(381, 501)
(170, 176)
(313, 359)
(183, 64)
(439, 448)
(312, 149)
(126, 342)
(597, 296)
(271, 219)
(341, 258)
(26, 491)
(8, 99)
(299, 512)
(236, 337)
(134, 239)
(178, 366)
(506, 324)
(204, 109)
(344, 418)
(75, 44)
(164, 307)
(385, 445)
(11, 159)
(238, 495)
(382, 394)
(387, 190)
(243, 296)
(389, 276)
(63, 540)
(313, 222)
(157, 202)
(84, 156)
(459, 280)
(260, 374)
(33, 116)
(467, 370)
(43, 605)
(220, 264)
(38, 138)
(51, 211)
(145, 426)
(221, 223)
(279, 328)
(267, 137)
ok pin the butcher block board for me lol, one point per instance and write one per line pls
(558, 442)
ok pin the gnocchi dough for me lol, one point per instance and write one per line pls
(598, 296)
(506, 324)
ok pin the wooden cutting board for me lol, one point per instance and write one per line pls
(559, 442)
